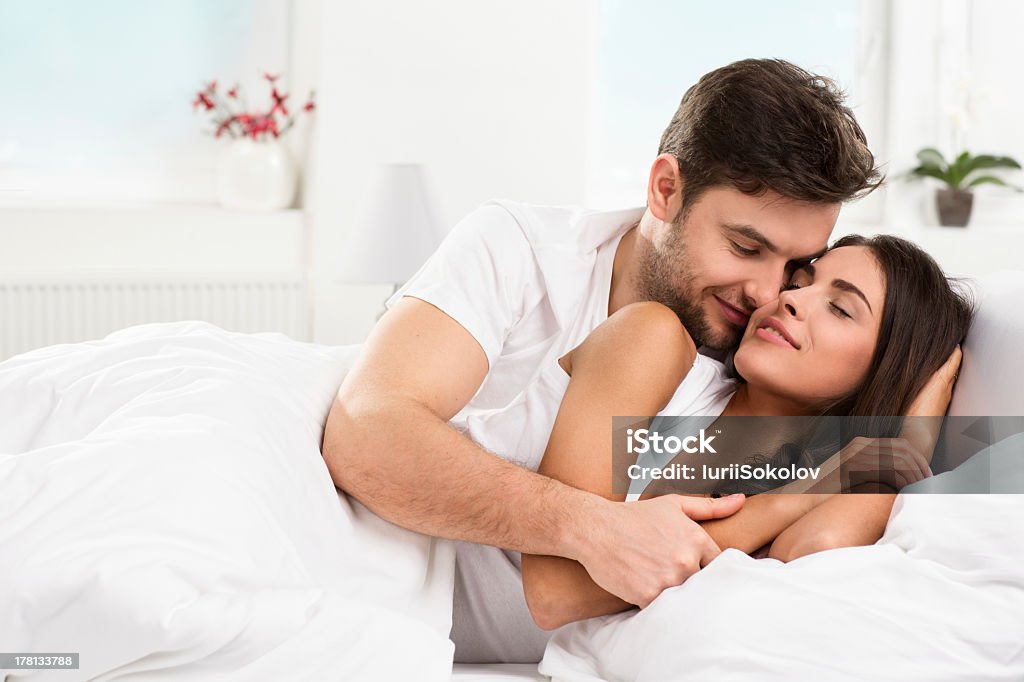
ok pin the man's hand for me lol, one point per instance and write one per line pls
(639, 549)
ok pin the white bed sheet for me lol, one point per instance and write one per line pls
(939, 598)
(496, 672)
(165, 512)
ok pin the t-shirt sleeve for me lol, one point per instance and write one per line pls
(484, 276)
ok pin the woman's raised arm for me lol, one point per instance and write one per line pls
(631, 365)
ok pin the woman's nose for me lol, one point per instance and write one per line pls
(790, 302)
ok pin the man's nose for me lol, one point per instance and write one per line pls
(765, 289)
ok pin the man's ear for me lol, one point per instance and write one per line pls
(665, 188)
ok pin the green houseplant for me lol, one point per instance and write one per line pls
(955, 200)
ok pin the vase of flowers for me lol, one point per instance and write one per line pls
(255, 170)
(954, 201)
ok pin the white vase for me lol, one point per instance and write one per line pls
(256, 175)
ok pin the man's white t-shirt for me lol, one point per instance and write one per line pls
(529, 283)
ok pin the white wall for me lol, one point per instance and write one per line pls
(493, 97)
(954, 82)
(996, 105)
(490, 96)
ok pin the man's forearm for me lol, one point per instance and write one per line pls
(411, 468)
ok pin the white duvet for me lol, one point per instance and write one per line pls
(940, 597)
(165, 512)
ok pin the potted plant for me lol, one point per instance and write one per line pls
(955, 200)
(255, 171)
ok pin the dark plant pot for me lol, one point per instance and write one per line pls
(954, 207)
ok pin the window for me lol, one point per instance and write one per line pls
(97, 95)
(648, 53)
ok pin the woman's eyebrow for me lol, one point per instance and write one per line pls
(843, 285)
(840, 284)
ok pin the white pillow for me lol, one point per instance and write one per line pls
(993, 360)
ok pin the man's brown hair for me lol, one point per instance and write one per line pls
(767, 124)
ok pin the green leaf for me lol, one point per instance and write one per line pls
(930, 172)
(991, 180)
(988, 161)
(929, 156)
(959, 169)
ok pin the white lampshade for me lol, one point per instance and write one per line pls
(397, 231)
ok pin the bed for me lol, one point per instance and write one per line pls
(496, 672)
(166, 513)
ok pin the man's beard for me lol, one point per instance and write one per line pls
(656, 281)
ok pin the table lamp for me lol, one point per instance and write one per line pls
(397, 230)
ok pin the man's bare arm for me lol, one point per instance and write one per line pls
(388, 444)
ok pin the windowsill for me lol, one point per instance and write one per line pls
(77, 235)
(869, 227)
(977, 249)
(43, 205)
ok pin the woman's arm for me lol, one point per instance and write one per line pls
(761, 520)
(856, 520)
(560, 591)
(631, 364)
(842, 521)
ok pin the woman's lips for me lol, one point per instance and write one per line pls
(771, 329)
(734, 315)
(772, 337)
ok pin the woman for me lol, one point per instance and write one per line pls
(859, 332)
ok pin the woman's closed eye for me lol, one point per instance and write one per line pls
(840, 312)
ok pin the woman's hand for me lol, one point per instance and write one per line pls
(924, 417)
(894, 462)
(934, 398)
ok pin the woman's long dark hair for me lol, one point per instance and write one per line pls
(925, 315)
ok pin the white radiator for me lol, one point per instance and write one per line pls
(41, 311)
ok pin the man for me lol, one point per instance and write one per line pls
(747, 185)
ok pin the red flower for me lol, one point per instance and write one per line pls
(228, 120)
(259, 125)
(278, 102)
(224, 126)
(202, 99)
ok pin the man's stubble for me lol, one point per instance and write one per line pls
(668, 276)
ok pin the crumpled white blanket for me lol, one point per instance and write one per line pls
(939, 597)
(165, 512)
